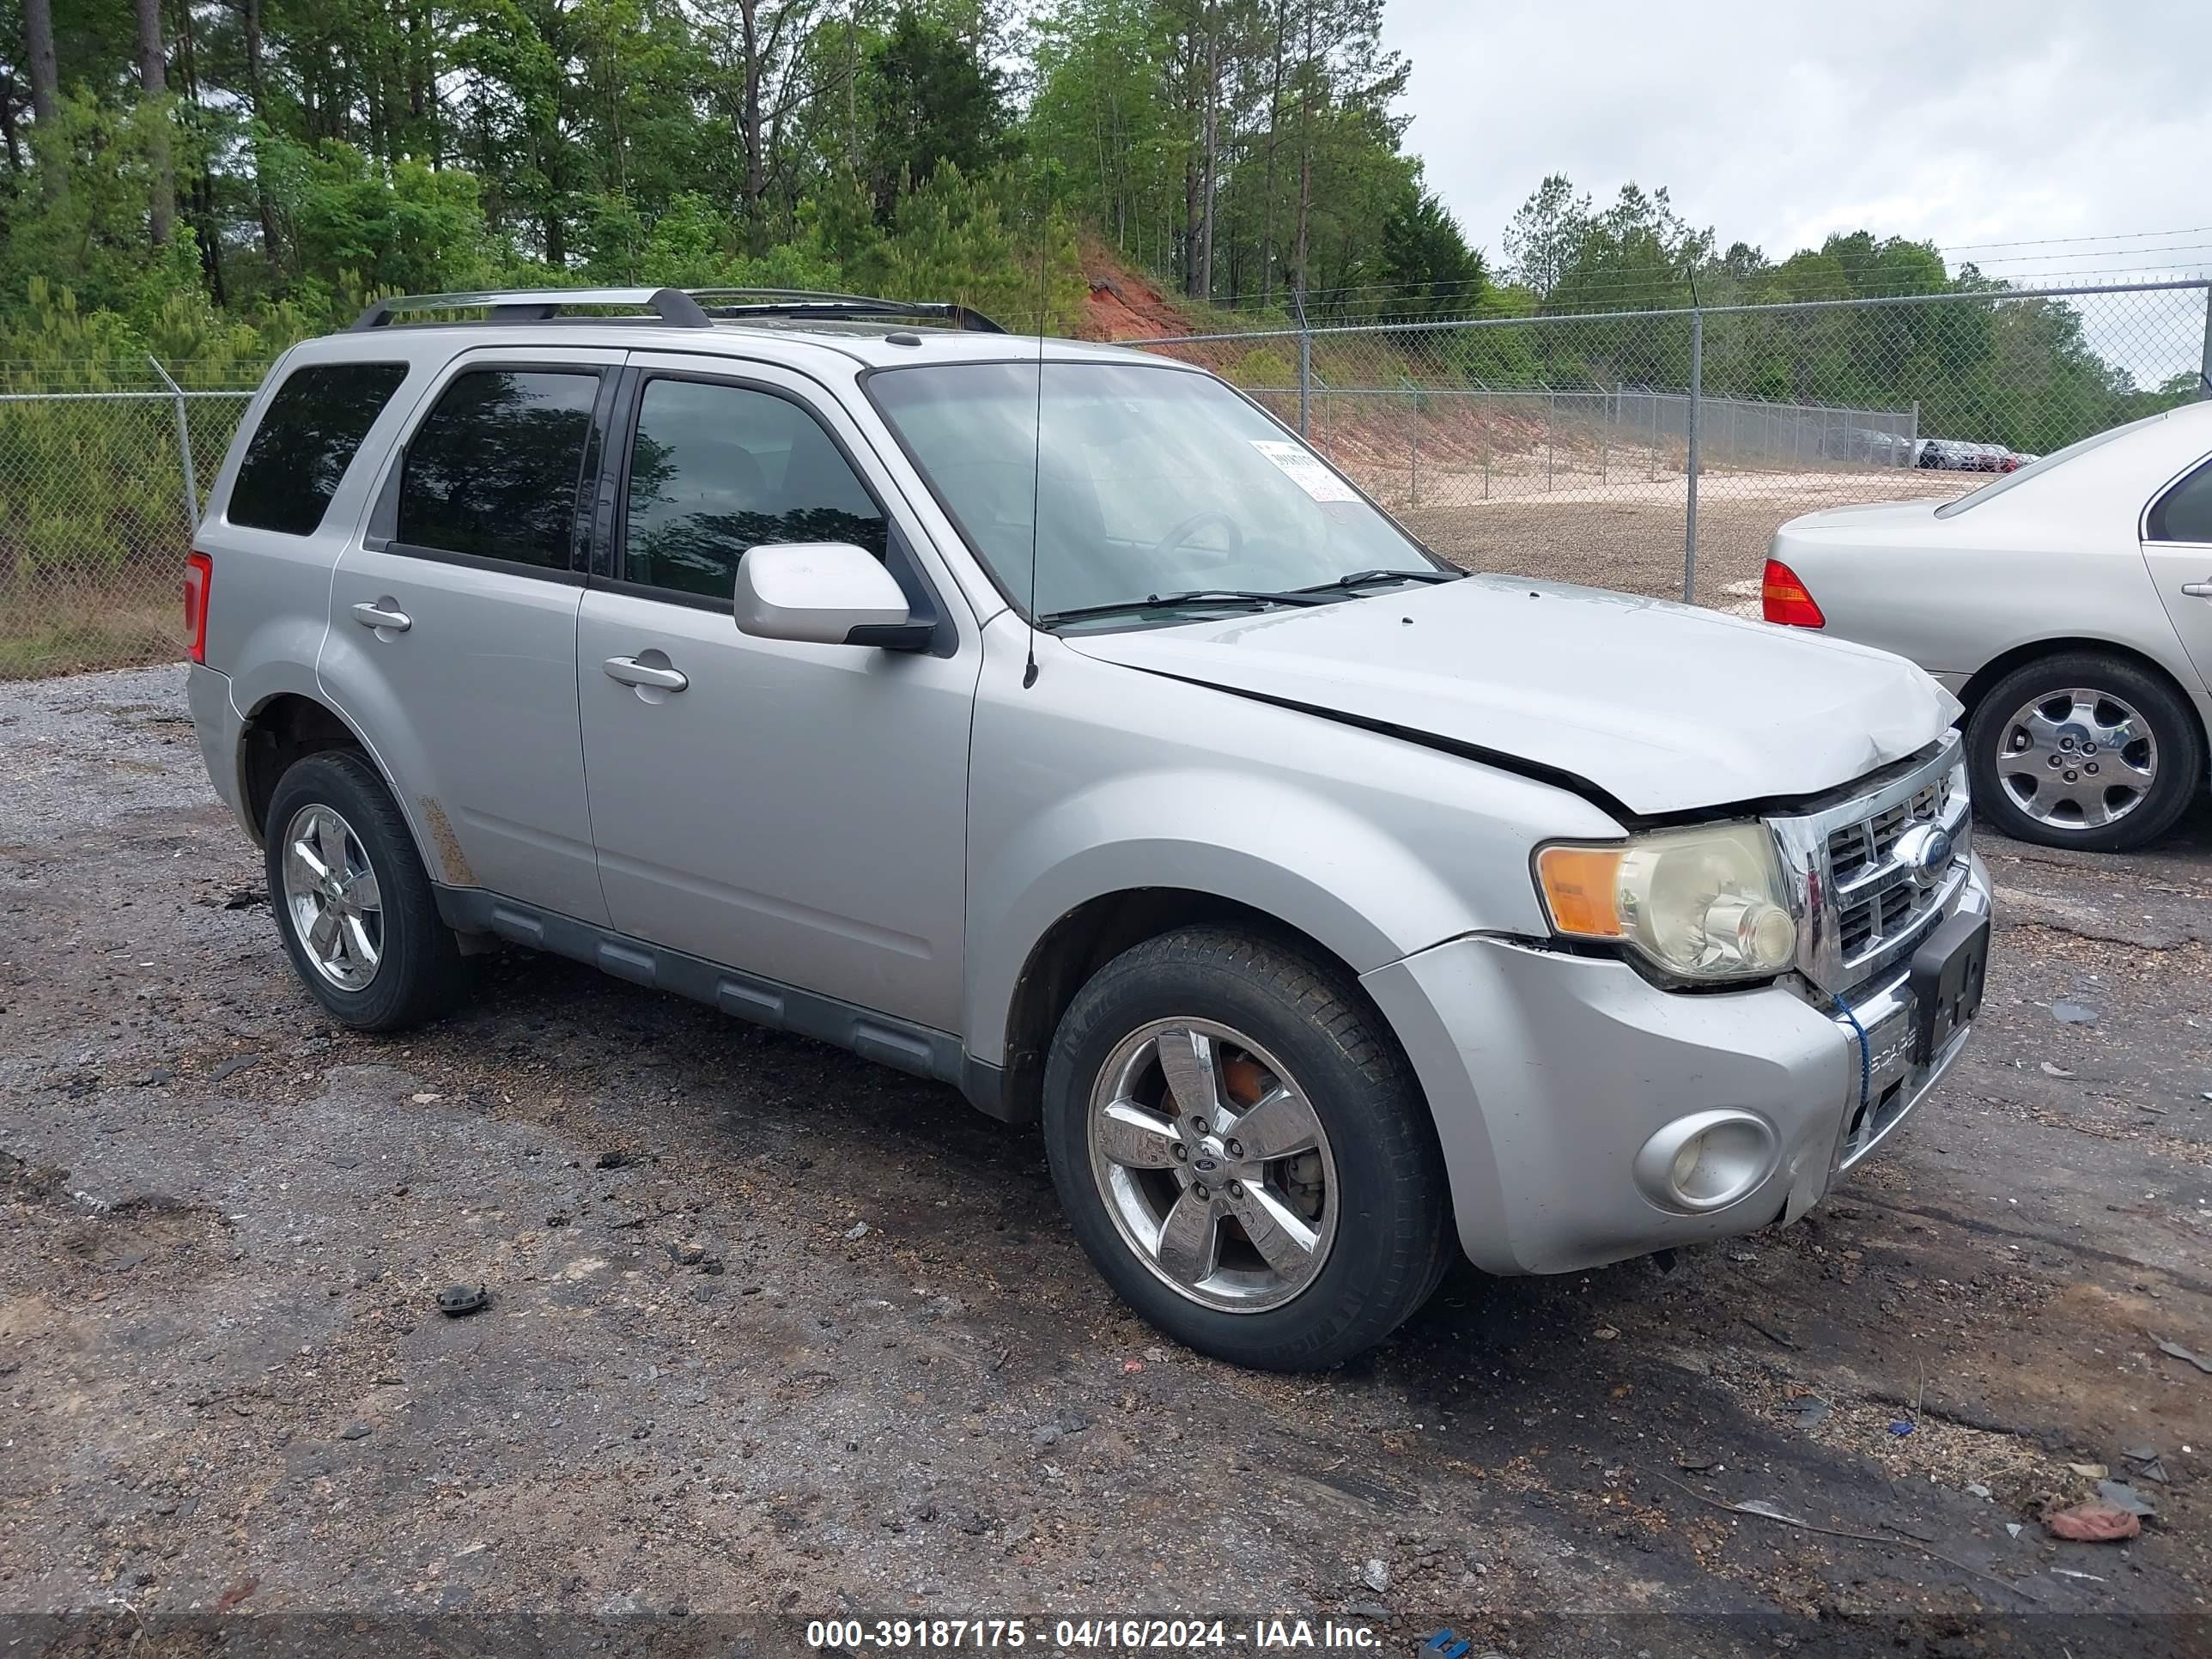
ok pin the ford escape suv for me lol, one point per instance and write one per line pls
(1048, 719)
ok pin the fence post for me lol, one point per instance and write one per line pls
(184, 448)
(1550, 416)
(1690, 465)
(1652, 397)
(1305, 372)
(2203, 374)
(1912, 438)
(1414, 426)
(1605, 443)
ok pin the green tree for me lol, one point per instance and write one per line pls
(1546, 233)
(932, 101)
(1426, 261)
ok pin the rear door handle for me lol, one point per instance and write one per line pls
(377, 616)
(630, 672)
(2197, 590)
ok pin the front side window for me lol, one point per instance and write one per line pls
(307, 439)
(493, 472)
(2184, 514)
(715, 470)
(1141, 482)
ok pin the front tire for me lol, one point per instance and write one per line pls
(1243, 1151)
(2086, 749)
(353, 902)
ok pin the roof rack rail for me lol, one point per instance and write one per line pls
(801, 302)
(822, 295)
(534, 305)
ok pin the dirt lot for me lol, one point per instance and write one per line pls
(776, 1334)
(1626, 531)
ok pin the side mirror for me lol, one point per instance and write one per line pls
(822, 593)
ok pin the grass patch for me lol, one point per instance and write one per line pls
(47, 630)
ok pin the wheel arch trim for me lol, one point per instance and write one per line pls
(410, 811)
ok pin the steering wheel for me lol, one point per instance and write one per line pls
(1190, 526)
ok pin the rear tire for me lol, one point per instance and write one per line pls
(2034, 778)
(1265, 1022)
(354, 904)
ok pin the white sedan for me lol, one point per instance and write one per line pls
(2067, 605)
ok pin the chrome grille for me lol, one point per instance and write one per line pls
(1856, 846)
(1884, 902)
(1861, 905)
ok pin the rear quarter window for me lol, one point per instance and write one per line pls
(2184, 514)
(307, 437)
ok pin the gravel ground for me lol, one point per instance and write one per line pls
(776, 1334)
(1627, 534)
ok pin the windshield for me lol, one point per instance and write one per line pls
(2038, 467)
(1146, 482)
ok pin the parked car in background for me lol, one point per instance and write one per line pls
(2069, 606)
(1048, 720)
(1881, 448)
(1955, 455)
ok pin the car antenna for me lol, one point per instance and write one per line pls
(1036, 458)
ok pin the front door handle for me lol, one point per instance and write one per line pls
(382, 616)
(630, 672)
(2197, 590)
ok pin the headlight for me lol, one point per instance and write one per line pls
(1702, 904)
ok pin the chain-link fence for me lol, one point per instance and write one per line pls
(1657, 452)
(95, 513)
(1654, 452)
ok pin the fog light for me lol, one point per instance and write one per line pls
(1685, 1162)
(1706, 1161)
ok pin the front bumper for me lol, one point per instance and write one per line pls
(1548, 1073)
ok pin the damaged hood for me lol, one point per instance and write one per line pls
(1665, 707)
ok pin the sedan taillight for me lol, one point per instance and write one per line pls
(1783, 599)
(199, 578)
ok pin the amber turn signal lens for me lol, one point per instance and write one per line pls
(1582, 889)
(1783, 598)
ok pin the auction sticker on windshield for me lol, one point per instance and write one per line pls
(1303, 470)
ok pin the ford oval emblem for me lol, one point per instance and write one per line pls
(1926, 851)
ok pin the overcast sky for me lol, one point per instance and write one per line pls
(1778, 122)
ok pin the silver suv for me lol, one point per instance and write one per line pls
(1049, 720)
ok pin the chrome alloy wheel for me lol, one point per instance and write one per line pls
(332, 893)
(2077, 759)
(1213, 1165)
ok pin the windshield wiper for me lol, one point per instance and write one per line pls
(1362, 578)
(1176, 601)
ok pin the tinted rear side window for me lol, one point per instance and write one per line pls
(2184, 514)
(493, 472)
(305, 442)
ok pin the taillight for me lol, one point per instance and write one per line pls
(1783, 598)
(199, 577)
